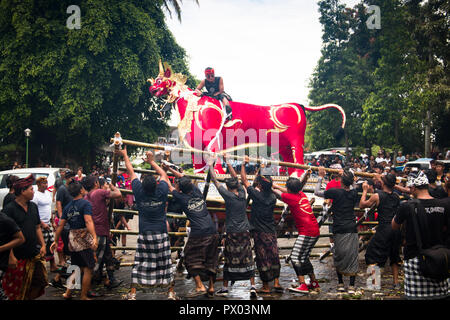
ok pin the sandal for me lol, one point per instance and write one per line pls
(261, 291)
(194, 293)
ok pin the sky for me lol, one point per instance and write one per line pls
(265, 50)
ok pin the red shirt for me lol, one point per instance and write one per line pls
(305, 221)
(333, 184)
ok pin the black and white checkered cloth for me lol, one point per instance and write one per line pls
(302, 248)
(152, 261)
(49, 237)
(419, 287)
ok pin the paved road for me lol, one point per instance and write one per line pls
(324, 272)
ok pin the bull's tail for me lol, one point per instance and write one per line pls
(328, 106)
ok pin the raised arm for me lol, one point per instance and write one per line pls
(402, 189)
(374, 198)
(175, 173)
(230, 167)
(317, 190)
(244, 180)
(128, 164)
(276, 192)
(279, 188)
(211, 162)
(151, 160)
(115, 192)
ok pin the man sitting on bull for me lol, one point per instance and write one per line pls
(215, 89)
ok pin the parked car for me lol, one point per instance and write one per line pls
(51, 173)
(421, 164)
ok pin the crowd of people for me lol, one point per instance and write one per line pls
(78, 232)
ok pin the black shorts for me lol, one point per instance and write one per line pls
(65, 240)
(84, 258)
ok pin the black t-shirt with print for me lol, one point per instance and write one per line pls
(7, 229)
(433, 224)
(194, 206)
(27, 222)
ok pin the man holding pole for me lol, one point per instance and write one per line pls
(386, 242)
(201, 250)
(239, 264)
(345, 234)
(308, 232)
(152, 261)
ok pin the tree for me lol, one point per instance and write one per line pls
(76, 87)
(342, 75)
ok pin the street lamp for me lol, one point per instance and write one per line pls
(27, 135)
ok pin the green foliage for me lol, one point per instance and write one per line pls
(384, 79)
(75, 88)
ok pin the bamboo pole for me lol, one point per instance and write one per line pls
(254, 160)
(220, 177)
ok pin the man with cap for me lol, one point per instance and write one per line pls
(27, 278)
(386, 242)
(215, 88)
(433, 219)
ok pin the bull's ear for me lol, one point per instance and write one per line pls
(167, 72)
(151, 80)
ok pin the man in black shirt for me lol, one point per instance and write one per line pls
(30, 255)
(201, 250)
(10, 237)
(433, 220)
(345, 234)
(262, 228)
(214, 86)
(239, 263)
(386, 242)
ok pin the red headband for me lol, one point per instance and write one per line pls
(209, 71)
(23, 183)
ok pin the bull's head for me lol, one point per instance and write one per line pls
(166, 81)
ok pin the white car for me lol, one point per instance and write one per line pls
(51, 173)
(421, 164)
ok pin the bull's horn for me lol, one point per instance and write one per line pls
(161, 69)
